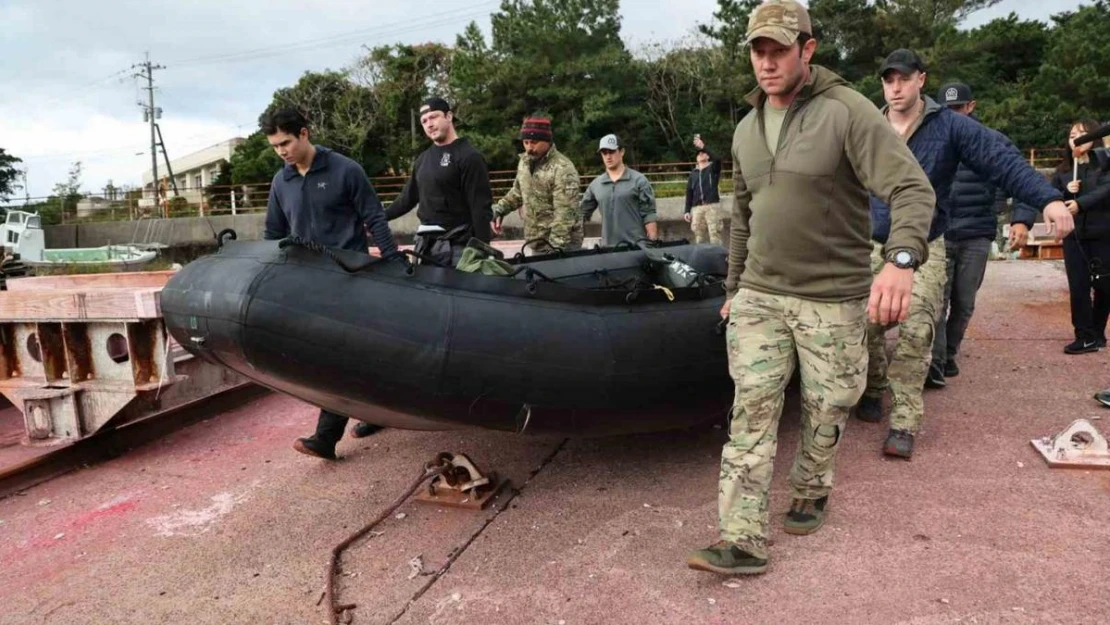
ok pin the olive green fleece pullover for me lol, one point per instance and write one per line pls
(801, 224)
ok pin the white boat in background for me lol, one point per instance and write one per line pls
(24, 240)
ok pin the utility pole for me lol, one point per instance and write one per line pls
(150, 113)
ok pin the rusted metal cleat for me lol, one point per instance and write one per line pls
(462, 484)
(1079, 446)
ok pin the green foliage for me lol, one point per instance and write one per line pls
(254, 161)
(561, 56)
(9, 175)
(567, 59)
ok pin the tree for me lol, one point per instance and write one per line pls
(916, 24)
(254, 161)
(9, 175)
(564, 57)
(340, 113)
(65, 197)
(399, 78)
(730, 26)
(689, 90)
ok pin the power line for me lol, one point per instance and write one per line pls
(393, 28)
(18, 99)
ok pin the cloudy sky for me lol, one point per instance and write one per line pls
(67, 91)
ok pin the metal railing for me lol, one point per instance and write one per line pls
(668, 180)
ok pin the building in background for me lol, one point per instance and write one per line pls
(193, 173)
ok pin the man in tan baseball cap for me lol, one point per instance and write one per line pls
(799, 280)
(781, 20)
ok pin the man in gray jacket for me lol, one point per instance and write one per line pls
(625, 197)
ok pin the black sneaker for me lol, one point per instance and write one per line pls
(312, 447)
(1081, 346)
(935, 378)
(951, 370)
(899, 443)
(870, 409)
(1103, 397)
(364, 429)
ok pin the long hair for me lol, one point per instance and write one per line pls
(1086, 125)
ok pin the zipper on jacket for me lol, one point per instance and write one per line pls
(791, 111)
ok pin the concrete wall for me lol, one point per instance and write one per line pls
(199, 231)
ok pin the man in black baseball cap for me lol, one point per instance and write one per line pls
(450, 185)
(942, 140)
(956, 96)
(976, 211)
(903, 61)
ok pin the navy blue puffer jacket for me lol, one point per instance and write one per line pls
(943, 141)
(976, 204)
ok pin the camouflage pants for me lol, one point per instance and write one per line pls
(767, 336)
(708, 224)
(906, 371)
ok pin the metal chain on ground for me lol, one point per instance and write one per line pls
(431, 469)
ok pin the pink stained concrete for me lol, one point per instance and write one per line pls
(223, 523)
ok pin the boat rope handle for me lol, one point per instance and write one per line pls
(313, 246)
(558, 250)
(669, 293)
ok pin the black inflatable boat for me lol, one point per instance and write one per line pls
(592, 342)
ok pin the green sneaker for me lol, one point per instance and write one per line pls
(806, 516)
(727, 559)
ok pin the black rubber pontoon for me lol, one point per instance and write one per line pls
(579, 343)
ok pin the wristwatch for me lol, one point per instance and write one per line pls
(903, 259)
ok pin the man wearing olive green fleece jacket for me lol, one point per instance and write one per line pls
(799, 274)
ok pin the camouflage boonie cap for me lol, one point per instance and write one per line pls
(780, 20)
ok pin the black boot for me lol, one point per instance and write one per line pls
(950, 368)
(870, 409)
(312, 446)
(364, 429)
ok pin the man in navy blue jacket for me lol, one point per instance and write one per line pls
(940, 139)
(322, 196)
(972, 227)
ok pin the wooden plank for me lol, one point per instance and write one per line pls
(123, 280)
(81, 305)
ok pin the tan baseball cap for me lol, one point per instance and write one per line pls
(780, 20)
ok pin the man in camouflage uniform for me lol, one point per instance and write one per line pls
(799, 277)
(547, 186)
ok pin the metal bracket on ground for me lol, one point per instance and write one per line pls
(1079, 446)
(462, 484)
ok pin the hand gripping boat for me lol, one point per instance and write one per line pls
(592, 342)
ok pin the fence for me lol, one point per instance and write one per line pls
(668, 180)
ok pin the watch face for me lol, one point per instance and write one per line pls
(903, 258)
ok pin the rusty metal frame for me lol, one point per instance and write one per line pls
(73, 375)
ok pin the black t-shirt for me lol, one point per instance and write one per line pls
(450, 184)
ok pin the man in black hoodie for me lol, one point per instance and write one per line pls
(450, 182)
(972, 226)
